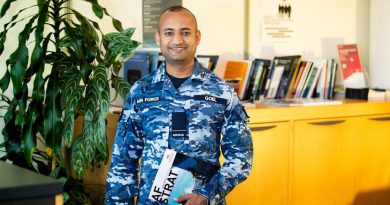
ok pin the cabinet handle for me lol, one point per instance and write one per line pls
(380, 118)
(334, 122)
(262, 128)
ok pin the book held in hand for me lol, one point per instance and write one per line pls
(179, 174)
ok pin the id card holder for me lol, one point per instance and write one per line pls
(178, 130)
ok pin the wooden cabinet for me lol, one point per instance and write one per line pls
(268, 181)
(323, 161)
(321, 155)
(372, 161)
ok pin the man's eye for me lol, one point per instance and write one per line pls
(168, 33)
(185, 33)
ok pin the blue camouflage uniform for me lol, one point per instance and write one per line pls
(211, 109)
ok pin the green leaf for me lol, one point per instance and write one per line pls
(105, 99)
(5, 7)
(4, 82)
(12, 23)
(52, 114)
(116, 37)
(128, 32)
(29, 141)
(121, 86)
(69, 126)
(71, 93)
(100, 136)
(19, 59)
(117, 24)
(91, 99)
(11, 132)
(100, 76)
(22, 102)
(37, 56)
(97, 9)
(78, 158)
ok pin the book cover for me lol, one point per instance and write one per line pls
(284, 68)
(177, 175)
(238, 70)
(274, 80)
(289, 74)
(302, 66)
(259, 85)
(136, 67)
(303, 79)
(254, 77)
(312, 80)
(350, 65)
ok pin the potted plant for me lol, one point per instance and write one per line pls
(67, 73)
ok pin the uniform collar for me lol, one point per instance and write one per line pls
(198, 73)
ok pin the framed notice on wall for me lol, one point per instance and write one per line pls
(151, 11)
(277, 20)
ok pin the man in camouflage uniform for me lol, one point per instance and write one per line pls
(184, 107)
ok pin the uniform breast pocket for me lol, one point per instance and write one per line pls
(209, 109)
(154, 116)
(205, 122)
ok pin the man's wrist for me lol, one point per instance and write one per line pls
(203, 193)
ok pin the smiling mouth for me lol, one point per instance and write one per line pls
(177, 49)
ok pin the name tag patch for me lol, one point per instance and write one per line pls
(211, 99)
(148, 99)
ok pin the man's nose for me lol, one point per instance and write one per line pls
(178, 39)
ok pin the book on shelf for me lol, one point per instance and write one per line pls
(238, 70)
(136, 67)
(350, 65)
(313, 76)
(281, 75)
(254, 78)
(298, 77)
(326, 82)
(153, 58)
(179, 174)
(259, 81)
(284, 102)
(261, 84)
(302, 81)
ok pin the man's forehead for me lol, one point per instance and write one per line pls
(177, 20)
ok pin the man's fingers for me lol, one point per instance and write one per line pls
(183, 198)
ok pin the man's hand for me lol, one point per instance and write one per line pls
(192, 199)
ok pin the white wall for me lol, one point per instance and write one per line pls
(319, 26)
(380, 44)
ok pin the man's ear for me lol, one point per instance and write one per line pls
(157, 38)
(198, 36)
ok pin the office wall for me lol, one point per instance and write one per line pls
(319, 26)
(380, 43)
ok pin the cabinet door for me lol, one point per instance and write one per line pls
(268, 182)
(372, 170)
(323, 161)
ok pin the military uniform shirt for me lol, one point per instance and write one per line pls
(214, 121)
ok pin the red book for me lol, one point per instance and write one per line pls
(349, 60)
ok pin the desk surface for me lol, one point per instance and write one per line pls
(19, 183)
